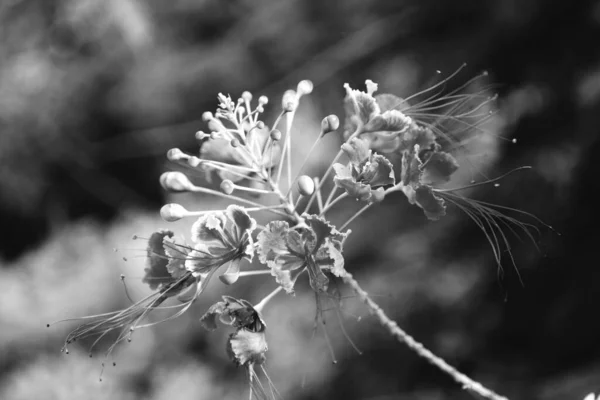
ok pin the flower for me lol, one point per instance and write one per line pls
(380, 121)
(174, 269)
(365, 171)
(222, 237)
(421, 170)
(314, 247)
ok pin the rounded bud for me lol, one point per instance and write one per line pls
(276, 135)
(305, 87)
(234, 143)
(329, 124)
(289, 209)
(227, 186)
(247, 96)
(201, 135)
(194, 161)
(175, 154)
(207, 116)
(306, 186)
(260, 125)
(263, 100)
(289, 101)
(176, 182)
(172, 212)
(260, 109)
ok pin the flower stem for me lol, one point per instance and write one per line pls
(397, 332)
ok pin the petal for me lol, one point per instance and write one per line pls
(433, 206)
(156, 263)
(331, 257)
(438, 168)
(231, 275)
(411, 172)
(416, 135)
(247, 347)
(242, 221)
(209, 228)
(177, 255)
(357, 150)
(380, 171)
(272, 241)
(357, 190)
(209, 319)
(283, 277)
(389, 121)
(343, 171)
(389, 102)
(360, 107)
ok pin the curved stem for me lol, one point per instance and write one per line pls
(397, 332)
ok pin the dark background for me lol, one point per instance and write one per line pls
(93, 93)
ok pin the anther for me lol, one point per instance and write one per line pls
(496, 185)
(47, 325)
(514, 140)
(134, 237)
(305, 87)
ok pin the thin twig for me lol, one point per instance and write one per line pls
(397, 332)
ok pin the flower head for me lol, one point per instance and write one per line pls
(220, 238)
(241, 144)
(380, 121)
(421, 171)
(314, 247)
(365, 171)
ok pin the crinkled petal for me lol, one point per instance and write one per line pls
(379, 172)
(209, 228)
(283, 277)
(357, 150)
(389, 121)
(438, 168)
(272, 241)
(331, 257)
(156, 262)
(356, 190)
(411, 171)
(388, 102)
(209, 319)
(244, 224)
(360, 107)
(247, 347)
(433, 206)
(343, 171)
(416, 136)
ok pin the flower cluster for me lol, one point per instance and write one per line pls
(247, 156)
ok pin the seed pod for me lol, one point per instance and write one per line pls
(227, 186)
(276, 135)
(172, 212)
(176, 182)
(306, 186)
(329, 124)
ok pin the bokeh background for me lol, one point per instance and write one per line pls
(94, 92)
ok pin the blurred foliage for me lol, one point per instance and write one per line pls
(93, 93)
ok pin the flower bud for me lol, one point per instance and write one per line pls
(172, 212)
(260, 125)
(176, 182)
(305, 87)
(202, 135)
(276, 135)
(263, 100)
(227, 186)
(306, 186)
(247, 96)
(234, 143)
(207, 116)
(176, 155)
(329, 124)
(289, 102)
(194, 161)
